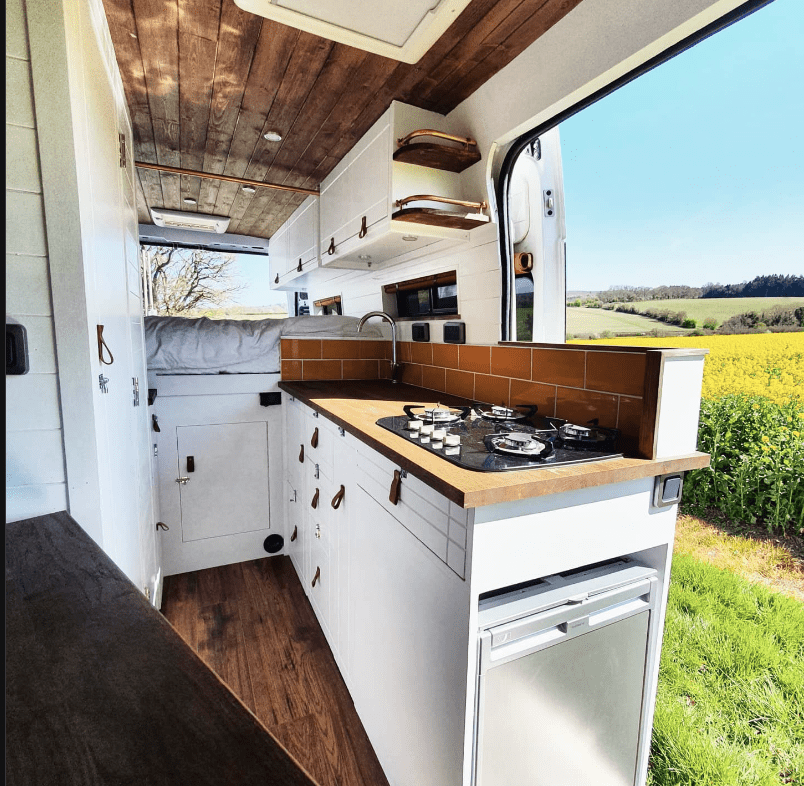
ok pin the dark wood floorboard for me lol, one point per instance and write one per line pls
(252, 624)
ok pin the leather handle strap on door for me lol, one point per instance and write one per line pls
(314, 438)
(314, 503)
(317, 576)
(295, 534)
(396, 483)
(338, 498)
(301, 454)
(331, 249)
(363, 228)
(102, 345)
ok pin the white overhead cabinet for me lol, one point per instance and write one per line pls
(362, 224)
(293, 249)
(357, 222)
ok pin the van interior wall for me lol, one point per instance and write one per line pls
(35, 476)
(478, 269)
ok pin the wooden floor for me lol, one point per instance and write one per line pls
(252, 624)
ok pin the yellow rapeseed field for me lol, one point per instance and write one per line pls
(764, 364)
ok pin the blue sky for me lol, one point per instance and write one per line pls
(695, 171)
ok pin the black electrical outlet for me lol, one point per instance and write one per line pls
(454, 332)
(16, 349)
(421, 331)
(270, 399)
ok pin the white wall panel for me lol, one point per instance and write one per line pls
(16, 36)
(35, 478)
(19, 106)
(27, 285)
(25, 224)
(22, 159)
(25, 502)
(34, 457)
(32, 402)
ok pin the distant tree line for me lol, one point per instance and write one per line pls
(761, 286)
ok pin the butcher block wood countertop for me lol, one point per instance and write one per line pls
(357, 405)
(100, 689)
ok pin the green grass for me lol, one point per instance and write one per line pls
(586, 321)
(720, 308)
(731, 684)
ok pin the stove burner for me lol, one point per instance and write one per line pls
(517, 443)
(436, 414)
(589, 437)
(498, 412)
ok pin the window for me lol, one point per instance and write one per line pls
(429, 296)
(628, 224)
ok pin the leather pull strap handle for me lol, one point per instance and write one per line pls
(295, 534)
(396, 483)
(301, 454)
(103, 349)
(363, 228)
(338, 498)
(331, 249)
(317, 576)
(314, 438)
(314, 503)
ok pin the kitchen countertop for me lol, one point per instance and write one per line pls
(100, 689)
(357, 405)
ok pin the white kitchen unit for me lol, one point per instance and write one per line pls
(220, 464)
(358, 198)
(320, 493)
(413, 592)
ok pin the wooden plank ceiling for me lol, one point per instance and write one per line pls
(205, 80)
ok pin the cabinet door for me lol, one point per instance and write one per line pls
(335, 208)
(408, 644)
(227, 488)
(303, 245)
(371, 182)
(278, 256)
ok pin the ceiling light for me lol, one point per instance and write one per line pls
(189, 201)
(273, 136)
(409, 237)
(249, 190)
(363, 256)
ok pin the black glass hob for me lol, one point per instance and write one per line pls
(502, 445)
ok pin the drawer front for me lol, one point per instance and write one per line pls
(321, 594)
(319, 438)
(424, 512)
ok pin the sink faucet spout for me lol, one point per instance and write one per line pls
(395, 366)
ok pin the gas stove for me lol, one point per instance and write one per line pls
(499, 439)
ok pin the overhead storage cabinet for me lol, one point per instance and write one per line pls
(294, 246)
(358, 198)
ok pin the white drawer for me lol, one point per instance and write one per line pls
(319, 438)
(420, 509)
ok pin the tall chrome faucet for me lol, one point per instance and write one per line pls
(395, 367)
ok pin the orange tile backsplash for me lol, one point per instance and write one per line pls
(619, 372)
(510, 362)
(574, 382)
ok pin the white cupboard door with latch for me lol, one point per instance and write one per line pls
(223, 479)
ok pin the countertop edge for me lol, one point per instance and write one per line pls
(531, 483)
